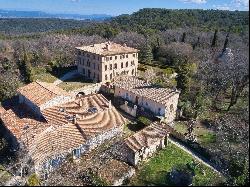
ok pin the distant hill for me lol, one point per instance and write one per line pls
(35, 25)
(40, 14)
(163, 19)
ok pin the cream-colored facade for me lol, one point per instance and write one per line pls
(160, 101)
(102, 62)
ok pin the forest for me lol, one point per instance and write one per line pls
(208, 49)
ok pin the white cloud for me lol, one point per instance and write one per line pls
(241, 3)
(194, 1)
(75, 1)
(233, 5)
(222, 7)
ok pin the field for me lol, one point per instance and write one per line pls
(155, 171)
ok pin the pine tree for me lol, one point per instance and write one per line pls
(215, 38)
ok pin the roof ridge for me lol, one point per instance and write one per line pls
(41, 84)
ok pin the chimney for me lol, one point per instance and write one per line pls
(80, 103)
(109, 105)
(108, 46)
(74, 119)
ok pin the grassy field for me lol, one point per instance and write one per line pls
(42, 75)
(74, 83)
(204, 135)
(155, 171)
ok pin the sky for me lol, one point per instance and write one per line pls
(117, 7)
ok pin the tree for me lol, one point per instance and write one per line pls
(225, 43)
(146, 54)
(232, 146)
(215, 39)
(183, 39)
(183, 77)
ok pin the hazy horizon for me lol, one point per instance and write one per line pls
(114, 8)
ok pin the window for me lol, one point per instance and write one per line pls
(98, 77)
(83, 71)
(106, 67)
(106, 77)
(126, 64)
(98, 58)
(94, 57)
(132, 72)
(98, 67)
(94, 75)
(126, 56)
(146, 104)
(110, 76)
(88, 55)
(115, 57)
(77, 153)
(122, 65)
(94, 65)
(133, 55)
(107, 58)
(88, 63)
(120, 56)
(110, 66)
(115, 66)
(111, 58)
(82, 61)
(79, 52)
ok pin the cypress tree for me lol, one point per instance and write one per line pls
(225, 43)
(215, 38)
(183, 38)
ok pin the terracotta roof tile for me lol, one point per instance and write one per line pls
(40, 92)
(146, 137)
(108, 48)
(145, 89)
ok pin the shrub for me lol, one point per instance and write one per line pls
(144, 120)
(33, 180)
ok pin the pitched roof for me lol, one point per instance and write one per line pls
(69, 135)
(146, 137)
(40, 92)
(145, 89)
(108, 48)
(19, 126)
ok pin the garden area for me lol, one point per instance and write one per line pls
(205, 135)
(74, 83)
(159, 170)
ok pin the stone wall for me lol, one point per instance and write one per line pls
(90, 89)
(90, 144)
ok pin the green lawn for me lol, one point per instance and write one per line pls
(204, 135)
(42, 75)
(154, 172)
(74, 83)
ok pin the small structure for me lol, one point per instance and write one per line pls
(102, 62)
(144, 143)
(160, 101)
(40, 95)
